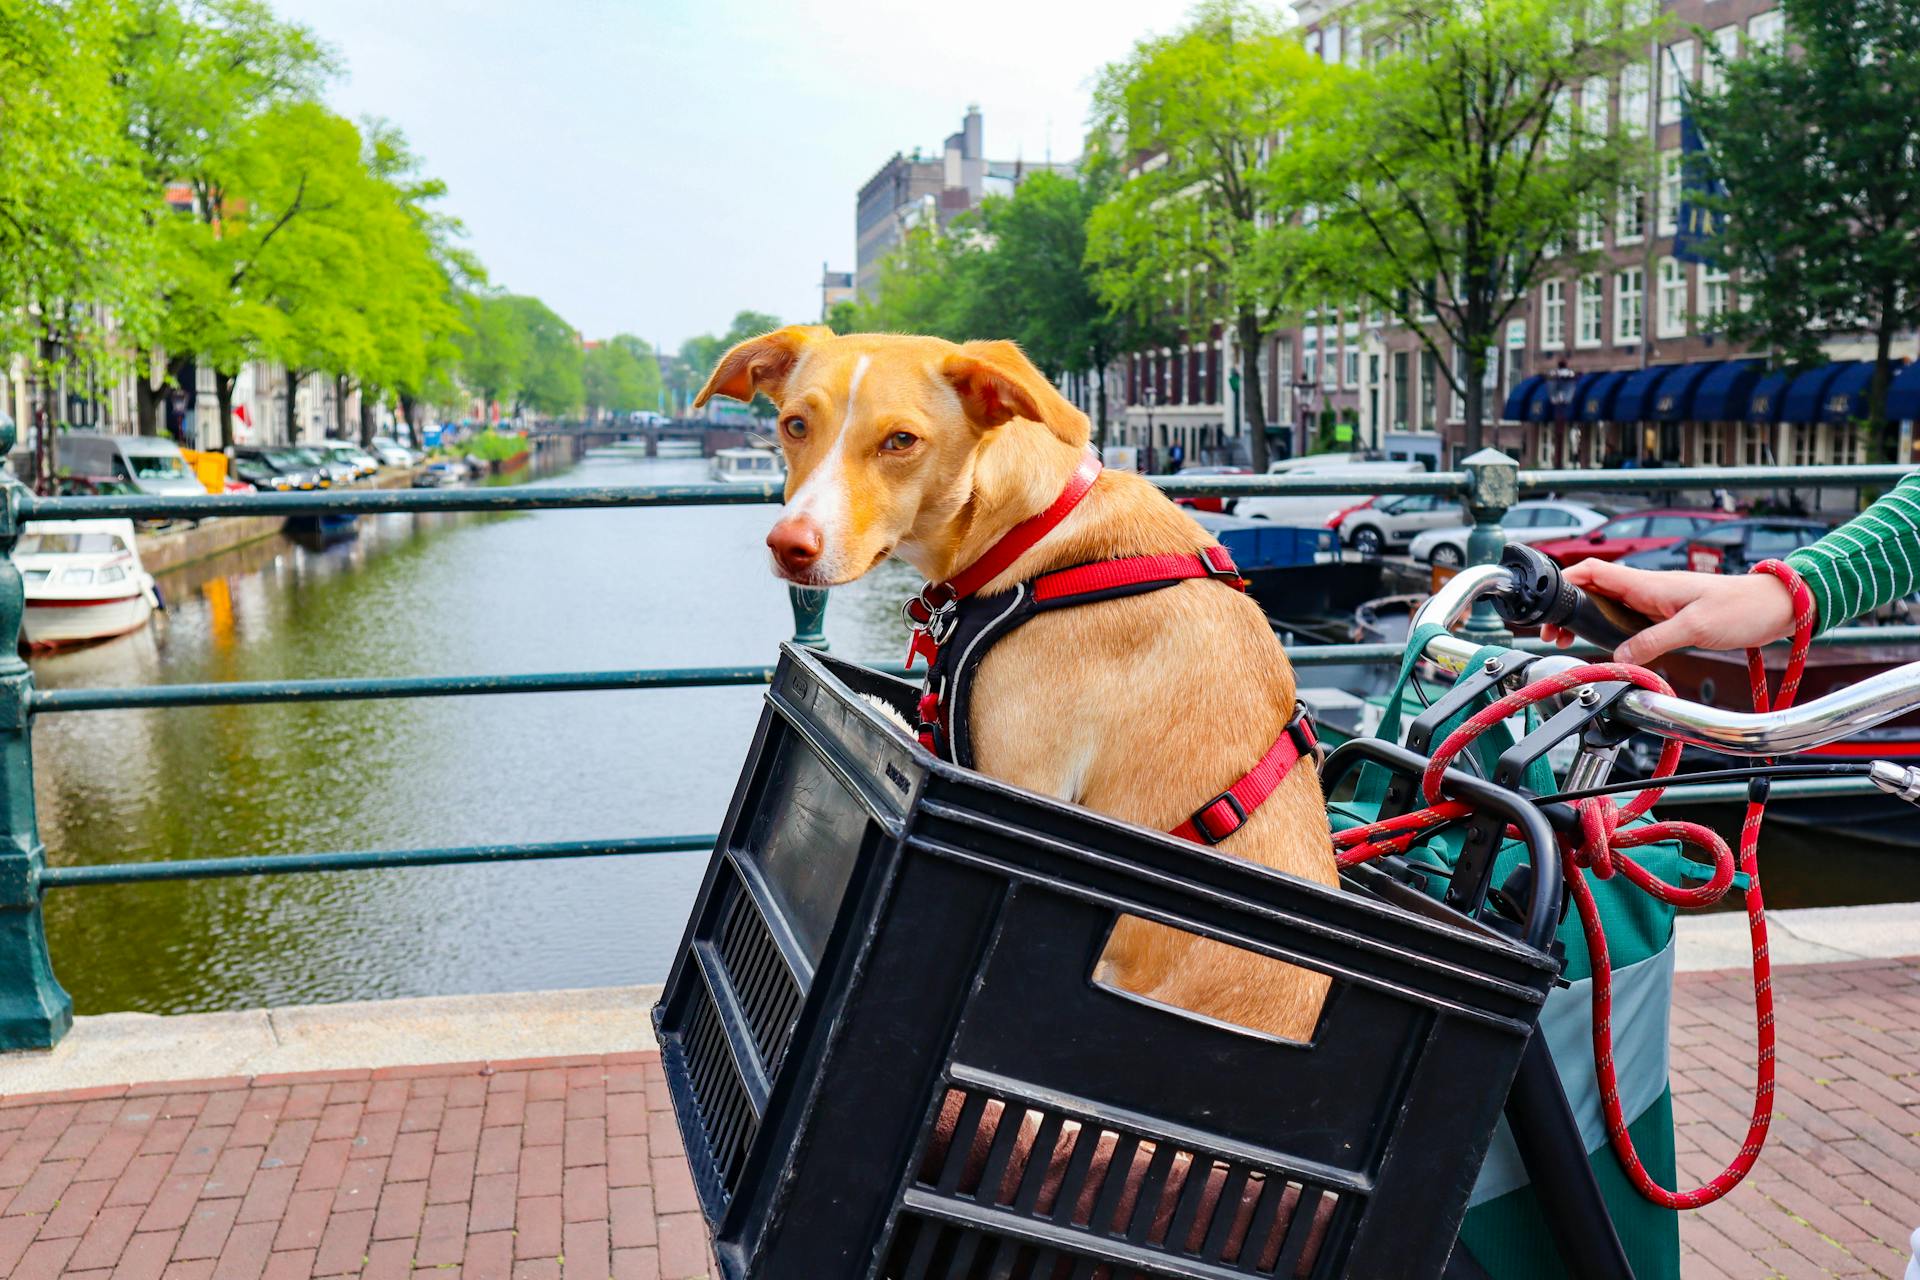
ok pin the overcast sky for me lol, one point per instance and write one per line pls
(654, 166)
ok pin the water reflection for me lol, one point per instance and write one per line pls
(436, 594)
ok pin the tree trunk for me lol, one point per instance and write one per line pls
(1476, 404)
(1100, 403)
(294, 378)
(1882, 436)
(342, 388)
(410, 414)
(223, 397)
(366, 417)
(146, 396)
(1252, 398)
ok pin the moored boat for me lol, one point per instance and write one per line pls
(748, 466)
(83, 582)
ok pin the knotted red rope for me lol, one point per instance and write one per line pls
(1601, 850)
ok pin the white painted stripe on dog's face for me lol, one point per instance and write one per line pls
(823, 496)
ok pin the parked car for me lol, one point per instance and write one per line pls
(333, 452)
(1534, 521)
(1632, 533)
(1732, 546)
(143, 464)
(391, 452)
(1387, 523)
(300, 471)
(1215, 504)
(1311, 511)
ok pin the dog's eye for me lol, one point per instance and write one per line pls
(899, 442)
(796, 428)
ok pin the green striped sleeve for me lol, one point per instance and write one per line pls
(1873, 559)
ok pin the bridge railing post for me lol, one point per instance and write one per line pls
(1493, 485)
(809, 615)
(34, 1011)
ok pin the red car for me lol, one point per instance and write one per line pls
(1216, 504)
(1635, 531)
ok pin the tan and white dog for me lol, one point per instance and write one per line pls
(1142, 707)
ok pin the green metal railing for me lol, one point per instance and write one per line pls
(35, 1011)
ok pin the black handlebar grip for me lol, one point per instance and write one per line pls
(1541, 595)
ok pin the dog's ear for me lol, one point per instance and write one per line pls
(760, 364)
(996, 382)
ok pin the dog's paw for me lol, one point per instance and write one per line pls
(888, 710)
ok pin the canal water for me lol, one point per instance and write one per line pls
(464, 594)
(420, 595)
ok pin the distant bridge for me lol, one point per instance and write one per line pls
(581, 436)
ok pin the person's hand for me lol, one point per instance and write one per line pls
(1704, 610)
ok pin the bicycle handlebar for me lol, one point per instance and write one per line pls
(1838, 715)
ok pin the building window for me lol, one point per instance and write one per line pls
(1593, 107)
(1400, 396)
(1710, 445)
(1331, 48)
(1313, 43)
(1846, 445)
(1590, 310)
(1629, 288)
(1715, 289)
(1633, 98)
(1672, 189)
(1553, 314)
(1766, 32)
(1755, 450)
(1632, 225)
(1353, 367)
(1806, 444)
(1726, 47)
(1676, 77)
(1559, 125)
(1673, 299)
(1429, 378)
(1593, 229)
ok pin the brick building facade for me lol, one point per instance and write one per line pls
(1653, 384)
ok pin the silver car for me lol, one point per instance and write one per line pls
(1389, 523)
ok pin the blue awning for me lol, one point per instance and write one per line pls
(1635, 401)
(1596, 402)
(1764, 405)
(1726, 392)
(1903, 398)
(1807, 394)
(1847, 397)
(1674, 400)
(1540, 403)
(1517, 399)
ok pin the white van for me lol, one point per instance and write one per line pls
(1312, 511)
(148, 464)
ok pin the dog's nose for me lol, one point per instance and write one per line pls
(795, 543)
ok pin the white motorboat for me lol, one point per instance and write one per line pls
(83, 581)
(749, 466)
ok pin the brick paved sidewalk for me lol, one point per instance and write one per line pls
(1837, 1192)
(567, 1169)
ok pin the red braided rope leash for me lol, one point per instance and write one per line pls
(1601, 850)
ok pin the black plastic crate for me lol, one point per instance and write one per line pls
(888, 1055)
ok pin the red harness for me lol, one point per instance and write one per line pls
(953, 627)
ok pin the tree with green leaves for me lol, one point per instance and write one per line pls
(270, 213)
(492, 348)
(1193, 237)
(550, 374)
(1034, 283)
(621, 376)
(72, 231)
(1447, 170)
(196, 77)
(1814, 145)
